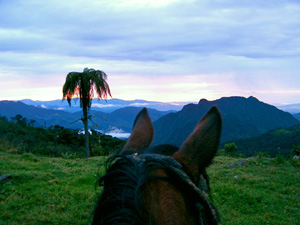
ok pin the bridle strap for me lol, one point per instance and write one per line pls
(201, 197)
(203, 201)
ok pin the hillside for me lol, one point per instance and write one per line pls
(42, 117)
(123, 118)
(242, 118)
(273, 142)
(22, 137)
(297, 116)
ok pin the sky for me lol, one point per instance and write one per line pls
(158, 50)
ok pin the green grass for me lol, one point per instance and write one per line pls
(47, 190)
(259, 192)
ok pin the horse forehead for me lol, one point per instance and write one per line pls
(164, 149)
(145, 171)
(167, 202)
(156, 161)
(168, 199)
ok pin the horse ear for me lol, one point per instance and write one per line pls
(142, 133)
(199, 149)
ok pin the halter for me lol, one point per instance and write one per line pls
(174, 169)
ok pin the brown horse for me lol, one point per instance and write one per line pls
(161, 185)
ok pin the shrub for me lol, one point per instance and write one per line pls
(30, 157)
(98, 151)
(294, 162)
(296, 150)
(74, 155)
(262, 155)
(221, 152)
(230, 149)
(279, 159)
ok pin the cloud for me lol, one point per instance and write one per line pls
(60, 108)
(139, 104)
(98, 105)
(248, 45)
(131, 31)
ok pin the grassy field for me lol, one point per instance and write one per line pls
(46, 190)
(262, 191)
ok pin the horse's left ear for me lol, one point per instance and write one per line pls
(200, 147)
(142, 133)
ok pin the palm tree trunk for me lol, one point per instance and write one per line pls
(86, 131)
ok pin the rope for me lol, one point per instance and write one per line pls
(202, 199)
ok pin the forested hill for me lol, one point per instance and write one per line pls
(41, 117)
(21, 137)
(280, 140)
(242, 118)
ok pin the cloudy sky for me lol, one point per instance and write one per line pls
(165, 50)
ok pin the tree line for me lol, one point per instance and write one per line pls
(18, 135)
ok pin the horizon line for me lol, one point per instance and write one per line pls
(168, 102)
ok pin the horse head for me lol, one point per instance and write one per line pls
(164, 184)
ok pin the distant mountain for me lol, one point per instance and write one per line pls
(119, 119)
(43, 117)
(122, 118)
(297, 116)
(105, 106)
(291, 108)
(242, 118)
(273, 142)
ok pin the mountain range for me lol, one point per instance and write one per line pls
(113, 104)
(242, 117)
(107, 106)
(291, 108)
(120, 119)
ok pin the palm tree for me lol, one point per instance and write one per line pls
(84, 85)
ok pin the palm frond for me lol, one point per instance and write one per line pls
(84, 84)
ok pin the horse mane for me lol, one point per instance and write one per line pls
(117, 203)
(121, 201)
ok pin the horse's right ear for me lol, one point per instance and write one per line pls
(200, 147)
(142, 133)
